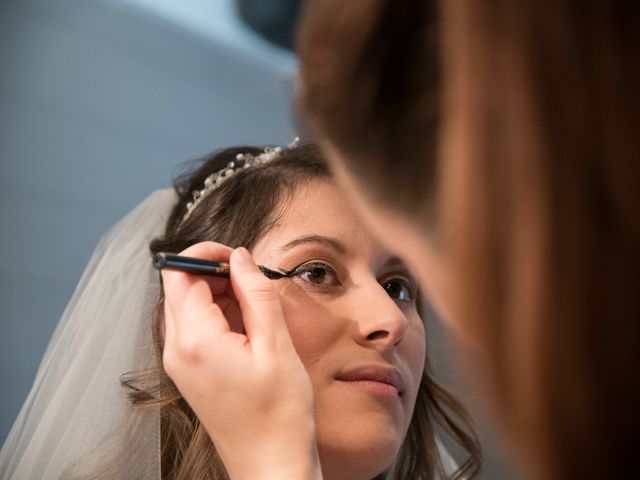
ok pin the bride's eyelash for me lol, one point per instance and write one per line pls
(318, 275)
(305, 267)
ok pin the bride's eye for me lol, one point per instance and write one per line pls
(399, 289)
(316, 273)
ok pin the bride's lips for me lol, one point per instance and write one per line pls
(376, 379)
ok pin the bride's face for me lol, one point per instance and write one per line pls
(351, 312)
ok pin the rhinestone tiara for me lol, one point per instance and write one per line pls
(241, 162)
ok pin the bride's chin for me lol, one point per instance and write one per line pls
(355, 460)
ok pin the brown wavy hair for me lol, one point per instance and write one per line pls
(242, 210)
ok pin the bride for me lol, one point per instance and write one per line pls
(181, 376)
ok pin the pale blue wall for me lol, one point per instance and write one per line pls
(100, 102)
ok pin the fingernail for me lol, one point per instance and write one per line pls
(244, 257)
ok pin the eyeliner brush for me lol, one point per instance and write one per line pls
(200, 266)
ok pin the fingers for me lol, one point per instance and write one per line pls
(231, 311)
(211, 251)
(188, 297)
(259, 302)
(191, 301)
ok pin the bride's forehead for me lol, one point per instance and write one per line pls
(320, 205)
(316, 201)
(318, 208)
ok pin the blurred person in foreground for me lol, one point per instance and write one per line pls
(495, 145)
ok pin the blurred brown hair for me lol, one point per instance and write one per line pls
(370, 83)
(524, 152)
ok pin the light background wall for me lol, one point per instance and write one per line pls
(101, 101)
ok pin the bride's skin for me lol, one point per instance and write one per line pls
(431, 264)
(258, 405)
(340, 318)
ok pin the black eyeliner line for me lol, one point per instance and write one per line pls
(299, 268)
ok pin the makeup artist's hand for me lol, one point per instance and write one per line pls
(249, 389)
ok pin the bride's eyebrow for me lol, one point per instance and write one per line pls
(330, 242)
(396, 262)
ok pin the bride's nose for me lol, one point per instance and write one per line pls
(381, 322)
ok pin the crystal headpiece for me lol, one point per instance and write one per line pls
(242, 162)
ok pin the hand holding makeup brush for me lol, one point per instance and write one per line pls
(249, 388)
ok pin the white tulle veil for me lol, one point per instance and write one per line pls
(77, 414)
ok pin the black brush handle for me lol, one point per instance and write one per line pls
(200, 266)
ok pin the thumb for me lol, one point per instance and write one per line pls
(259, 302)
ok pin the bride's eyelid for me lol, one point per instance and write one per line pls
(310, 265)
(299, 264)
(402, 275)
(299, 261)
